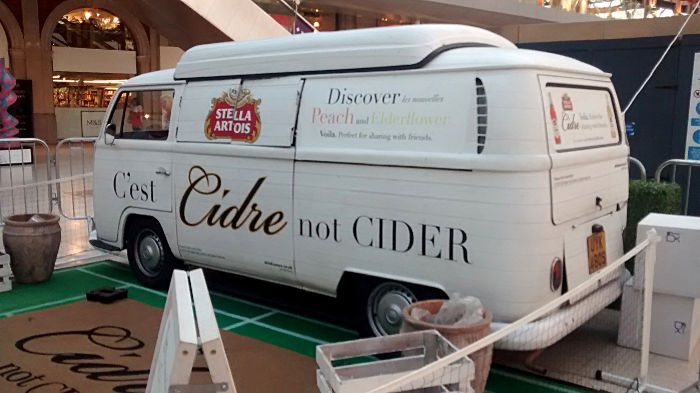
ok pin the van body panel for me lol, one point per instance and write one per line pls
(444, 172)
(576, 250)
(233, 111)
(582, 120)
(444, 226)
(142, 181)
(132, 183)
(389, 113)
(197, 106)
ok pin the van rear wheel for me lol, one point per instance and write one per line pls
(379, 305)
(384, 305)
(149, 254)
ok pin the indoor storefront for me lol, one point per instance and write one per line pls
(83, 82)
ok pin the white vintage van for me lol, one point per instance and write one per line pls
(380, 165)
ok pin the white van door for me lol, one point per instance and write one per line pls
(589, 171)
(135, 157)
(233, 168)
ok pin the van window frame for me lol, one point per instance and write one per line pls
(615, 111)
(134, 89)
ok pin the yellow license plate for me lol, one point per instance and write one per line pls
(596, 252)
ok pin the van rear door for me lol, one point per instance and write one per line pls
(589, 159)
(589, 172)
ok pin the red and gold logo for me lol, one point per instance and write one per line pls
(234, 116)
(566, 103)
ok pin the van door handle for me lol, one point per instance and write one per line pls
(162, 171)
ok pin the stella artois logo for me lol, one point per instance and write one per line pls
(234, 116)
(566, 103)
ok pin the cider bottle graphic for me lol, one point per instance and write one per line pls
(553, 116)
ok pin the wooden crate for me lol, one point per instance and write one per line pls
(416, 350)
(5, 284)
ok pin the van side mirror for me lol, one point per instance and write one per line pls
(110, 131)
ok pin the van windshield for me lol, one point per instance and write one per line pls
(580, 117)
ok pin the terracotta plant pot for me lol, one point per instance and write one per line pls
(459, 336)
(32, 246)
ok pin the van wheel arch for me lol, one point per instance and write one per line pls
(360, 293)
(150, 256)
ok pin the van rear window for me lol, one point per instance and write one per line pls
(580, 117)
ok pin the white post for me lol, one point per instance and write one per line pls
(649, 262)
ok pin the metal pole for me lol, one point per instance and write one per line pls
(649, 262)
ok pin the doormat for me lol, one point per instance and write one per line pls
(88, 347)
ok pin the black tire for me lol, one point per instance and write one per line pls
(149, 254)
(378, 304)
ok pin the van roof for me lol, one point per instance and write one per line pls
(374, 48)
(152, 78)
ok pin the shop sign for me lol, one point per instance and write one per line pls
(91, 122)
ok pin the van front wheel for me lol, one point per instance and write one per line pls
(149, 255)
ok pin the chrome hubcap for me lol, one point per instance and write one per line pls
(385, 305)
(150, 252)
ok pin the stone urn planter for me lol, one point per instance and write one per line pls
(32, 241)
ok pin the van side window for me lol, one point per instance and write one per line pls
(142, 115)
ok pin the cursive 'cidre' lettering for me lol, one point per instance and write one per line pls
(94, 366)
(234, 217)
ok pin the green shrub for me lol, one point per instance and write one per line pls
(649, 197)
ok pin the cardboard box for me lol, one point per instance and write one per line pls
(677, 262)
(675, 323)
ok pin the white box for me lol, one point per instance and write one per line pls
(675, 323)
(5, 284)
(677, 270)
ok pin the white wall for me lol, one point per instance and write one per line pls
(70, 122)
(94, 60)
(169, 56)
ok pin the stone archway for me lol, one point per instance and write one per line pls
(131, 21)
(44, 111)
(15, 41)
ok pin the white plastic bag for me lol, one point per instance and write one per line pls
(36, 218)
(460, 311)
(422, 314)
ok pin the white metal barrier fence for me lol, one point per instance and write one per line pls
(640, 167)
(25, 173)
(674, 164)
(75, 156)
(33, 180)
(613, 369)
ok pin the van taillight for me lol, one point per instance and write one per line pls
(556, 275)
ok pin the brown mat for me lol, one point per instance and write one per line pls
(90, 347)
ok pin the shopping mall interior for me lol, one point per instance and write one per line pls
(69, 55)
